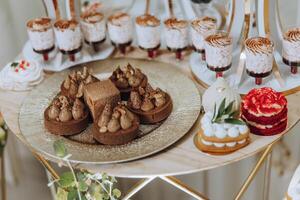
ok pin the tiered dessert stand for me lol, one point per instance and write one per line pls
(181, 157)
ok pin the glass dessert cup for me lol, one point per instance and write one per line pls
(259, 58)
(68, 37)
(41, 36)
(218, 52)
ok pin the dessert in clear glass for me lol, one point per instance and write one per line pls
(41, 36)
(93, 28)
(148, 33)
(177, 35)
(259, 57)
(68, 36)
(291, 49)
(218, 52)
(201, 28)
(120, 30)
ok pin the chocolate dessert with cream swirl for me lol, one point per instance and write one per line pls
(120, 28)
(291, 46)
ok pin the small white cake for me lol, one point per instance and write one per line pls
(120, 28)
(291, 45)
(41, 34)
(176, 33)
(68, 35)
(93, 27)
(148, 31)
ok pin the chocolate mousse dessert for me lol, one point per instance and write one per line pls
(148, 33)
(66, 116)
(75, 82)
(291, 49)
(218, 52)
(116, 125)
(202, 28)
(41, 36)
(93, 28)
(126, 78)
(259, 57)
(120, 30)
(177, 35)
(150, 105)
(68, 36)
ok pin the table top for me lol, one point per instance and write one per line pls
(181, 158)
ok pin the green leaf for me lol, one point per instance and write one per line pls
(66, 180)
(234, 121)
(116, 193)
(98, 196)
(61, 194)
(59, 148)
(73, 195)
(229, 107)
(215, 108)
(221, 108)
(82, 186)
(81, 176)
(14, 64)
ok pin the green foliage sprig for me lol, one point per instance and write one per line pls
(3, 134)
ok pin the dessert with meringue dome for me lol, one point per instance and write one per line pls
(150, 105)
(291, 49)
(222, 132)
(116, 125)
(66, 116)
(259, 57)
(265, 111)
(127, 77)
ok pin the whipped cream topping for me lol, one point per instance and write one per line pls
(220, 145)
(93, 27)
(204, 24)
(291, 45)
(264, 102)
(120, 28)
(292, 35)
(261, 126)
(119, 19)
(63, 24)
(220, 39)
(39, 24)
(92, 17)
(259, 45)
(174, 23)
(21, 75)
(147, 20)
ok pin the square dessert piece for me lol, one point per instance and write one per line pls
(97, 94)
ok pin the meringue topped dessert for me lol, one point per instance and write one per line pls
(291, 49)
(150, 105)
(148, 33)
(177, 35)
(116, 125)
(75, 82)
(259, 57)
(120, 30)
(65, 116)
(41, 36)
(201, 28)
(126, 78)
(68, 36)
(218, 52)
(93, 28)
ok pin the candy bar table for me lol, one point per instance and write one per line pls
(181, 158)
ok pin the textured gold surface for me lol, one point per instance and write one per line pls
(183, 91)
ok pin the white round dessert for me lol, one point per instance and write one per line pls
(291, 45)
(41, 34)
(148, 31)
(120, 28)
(259, 55)
(176, 33)
(68, 35)
(93, 27)
(218, 50)
(201, 28)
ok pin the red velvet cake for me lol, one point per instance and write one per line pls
(265, 111)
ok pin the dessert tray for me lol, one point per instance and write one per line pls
(154, 138)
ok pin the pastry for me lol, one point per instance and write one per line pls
(148, 33)
(93, 28)
(221, 131)
(265, 111)
(218, 52)
(201, 28)
(291, 49)
(293, 192)
(98, 94)
(68, 36)
(150, 105)
(21, 75)
(66, 116)
(41, 36)
(177, 35)
(125, 78)
(115, 125)
(120, 30)
(259, 57)
(75, 82)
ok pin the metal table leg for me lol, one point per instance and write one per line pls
(267, 177)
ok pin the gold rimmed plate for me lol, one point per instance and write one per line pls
(186, 109)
